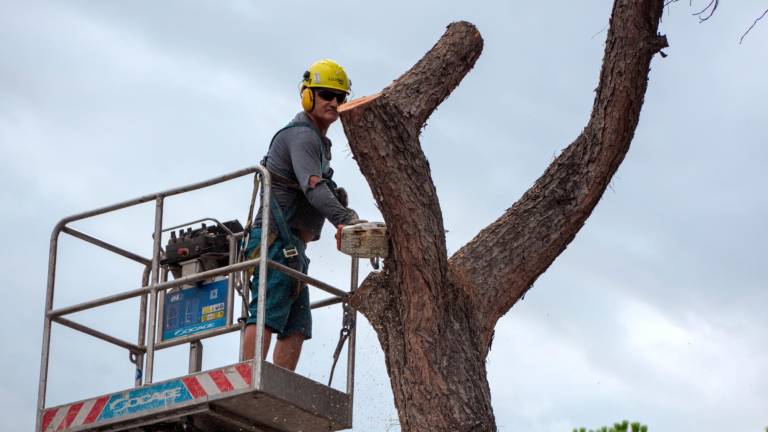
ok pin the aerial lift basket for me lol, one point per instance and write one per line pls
(246, 396)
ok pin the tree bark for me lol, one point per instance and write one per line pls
(434, 317)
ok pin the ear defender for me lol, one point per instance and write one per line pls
(307, 95)
(307, 99)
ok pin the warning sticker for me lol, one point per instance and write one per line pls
(213, 308)
(212, 316)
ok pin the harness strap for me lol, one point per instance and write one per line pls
(255, 253)
(249, 221)
(323, 161)
(290, 252)
(284, 181)
(282, 227)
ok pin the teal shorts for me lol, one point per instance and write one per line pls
(286, 314)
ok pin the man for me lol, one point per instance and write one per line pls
(303, 196)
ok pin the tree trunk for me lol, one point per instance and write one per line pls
(433, 325)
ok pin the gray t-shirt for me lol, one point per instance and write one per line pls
(296, 154)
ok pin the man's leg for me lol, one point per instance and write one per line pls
(288, 350)
(297, 329)
(249, 347)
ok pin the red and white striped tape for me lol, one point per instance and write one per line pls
(203, 385)
(77, 414)
(218, 381)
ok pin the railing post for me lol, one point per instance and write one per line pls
(142, 340)
(153, 293)
(195, 356)
(246, 290)
(266, 184)
(231, 280)
(352, 333)
(43, 383)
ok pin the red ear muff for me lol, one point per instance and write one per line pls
(307, 99)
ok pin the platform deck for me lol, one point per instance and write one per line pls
(223, 399)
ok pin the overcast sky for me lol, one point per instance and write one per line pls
(656, 312)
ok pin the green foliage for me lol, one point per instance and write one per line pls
(624, 426)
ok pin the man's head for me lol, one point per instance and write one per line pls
(324, 87)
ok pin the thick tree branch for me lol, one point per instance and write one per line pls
(424, 320)
(383, 132)
(420, 90)
(505, 258)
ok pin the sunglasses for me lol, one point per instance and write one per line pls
(329, 95)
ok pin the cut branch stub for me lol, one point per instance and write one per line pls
(383, 133)
(420, 90)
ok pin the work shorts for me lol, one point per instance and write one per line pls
(287, 310)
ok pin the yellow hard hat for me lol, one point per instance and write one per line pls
(326, 74)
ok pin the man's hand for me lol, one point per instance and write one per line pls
(342, 196)
(356, 220)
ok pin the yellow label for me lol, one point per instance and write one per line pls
(213, 308)
(212, 316)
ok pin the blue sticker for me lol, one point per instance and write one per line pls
(194, 310)
(145, 398)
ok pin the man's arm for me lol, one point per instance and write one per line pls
(306, 159)
(321, 197)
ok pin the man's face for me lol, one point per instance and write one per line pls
(327, 102)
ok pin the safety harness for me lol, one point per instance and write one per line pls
(290, 252)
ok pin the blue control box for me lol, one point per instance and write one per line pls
(195, 310)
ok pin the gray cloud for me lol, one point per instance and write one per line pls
(655, 312)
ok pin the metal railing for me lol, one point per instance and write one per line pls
(142, 353)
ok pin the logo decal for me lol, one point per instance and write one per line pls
(141, 399)
(194, 329)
